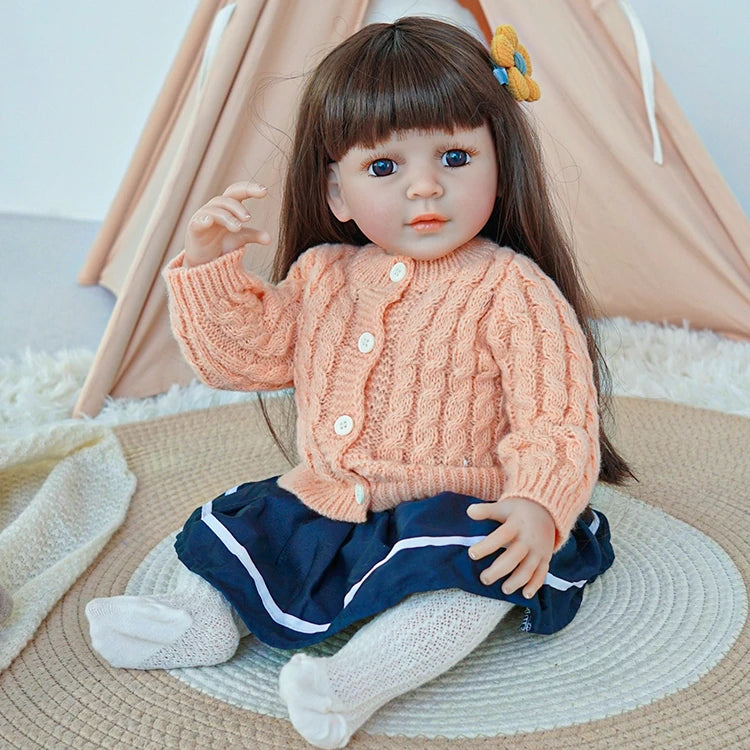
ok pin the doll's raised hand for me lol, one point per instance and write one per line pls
(221, 225)
(527, 532)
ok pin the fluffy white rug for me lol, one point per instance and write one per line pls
(697, 368)
(671, 363)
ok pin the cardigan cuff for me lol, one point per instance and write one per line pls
(194, 288)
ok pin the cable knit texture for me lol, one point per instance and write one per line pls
(469, 373)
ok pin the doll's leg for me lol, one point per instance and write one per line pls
(192, 626)
(422, 637)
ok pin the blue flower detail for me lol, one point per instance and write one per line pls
(520, 62)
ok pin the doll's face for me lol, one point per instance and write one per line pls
(419, 194)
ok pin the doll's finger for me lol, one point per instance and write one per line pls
(499, 538)
(481, 511)
(537, 580)
(505, 563)
(201, 222)
(247, 189)
(248, 235)
(210, 216)
(230, 205)
(521, 575)
(245, 236)
(224, 218)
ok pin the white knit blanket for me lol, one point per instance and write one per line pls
(64, 489)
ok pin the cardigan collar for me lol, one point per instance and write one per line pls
(374, 264)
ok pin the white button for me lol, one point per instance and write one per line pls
(398, 271)
(343, 425)
(359, 494)
(366, 342)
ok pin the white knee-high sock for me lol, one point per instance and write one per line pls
(192, 626)
(6, 604)
(422, 637)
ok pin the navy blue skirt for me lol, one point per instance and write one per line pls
(296, 577)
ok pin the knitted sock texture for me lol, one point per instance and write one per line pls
(330, 698)
(6, 604)
(191, 627)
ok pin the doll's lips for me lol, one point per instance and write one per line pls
(427, 223)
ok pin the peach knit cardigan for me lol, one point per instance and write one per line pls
(469, 373)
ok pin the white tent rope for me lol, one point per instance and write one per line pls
(647, 75)
(221, 20)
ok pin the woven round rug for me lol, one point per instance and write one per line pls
(666, 612)
(693, 476)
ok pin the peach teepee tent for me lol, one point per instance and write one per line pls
(658, 233)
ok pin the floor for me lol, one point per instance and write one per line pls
(42, 307)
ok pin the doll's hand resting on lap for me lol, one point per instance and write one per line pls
(527, 532)
(221, 225)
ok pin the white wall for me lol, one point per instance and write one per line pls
(77, 82)
(78, 78)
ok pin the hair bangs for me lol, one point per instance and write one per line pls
(395, 84)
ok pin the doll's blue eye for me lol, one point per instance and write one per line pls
(382, 168)
(455, 158)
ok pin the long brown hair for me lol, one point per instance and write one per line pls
(422, 74)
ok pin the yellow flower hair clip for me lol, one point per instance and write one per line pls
(513, 65)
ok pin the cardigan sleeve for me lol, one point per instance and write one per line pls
(551, 452)
(236, 330)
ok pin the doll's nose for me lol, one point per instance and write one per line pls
(424, 185)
